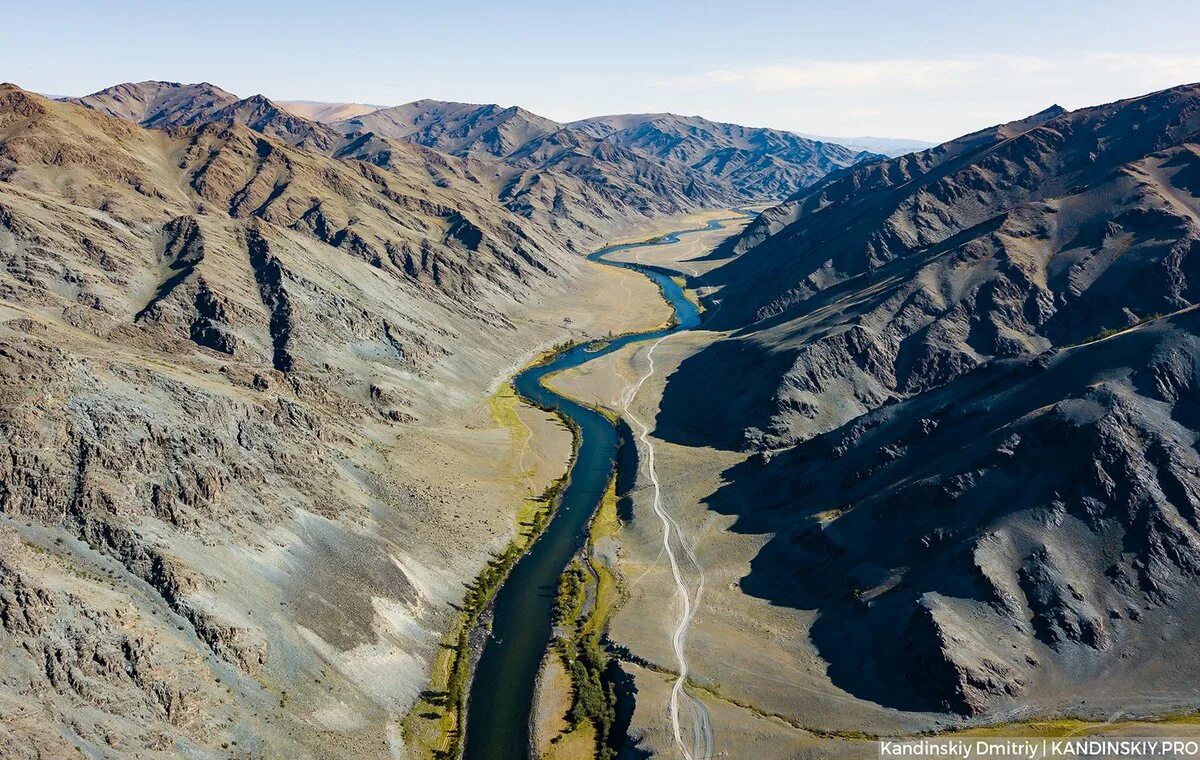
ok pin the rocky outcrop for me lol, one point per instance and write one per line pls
(269, 273)
(211, 325)
(1061, 612)
(123, 684)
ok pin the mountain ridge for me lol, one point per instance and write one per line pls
(970, 395)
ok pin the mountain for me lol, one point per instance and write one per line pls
(158, 104)
(740, 164)
(460, 129)
(567, 181)
(575, 187)
(561, 179)
(327, 113)
(163, 105)
(223, 363)
(262, 115)
(579, 178)
(973, 394)
(888, 146)
(756, 163)
(698, 163)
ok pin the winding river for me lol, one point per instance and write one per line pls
(502, 690)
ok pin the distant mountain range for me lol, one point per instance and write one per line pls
(327, 112)
(582, 180)
(888, 146)
(975, 378)
(740, 162)
(758, 162)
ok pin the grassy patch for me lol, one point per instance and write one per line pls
(1056, 728)
(576, 744)
(609, 594)
(503, 406)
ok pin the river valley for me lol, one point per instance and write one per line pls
(502, 690)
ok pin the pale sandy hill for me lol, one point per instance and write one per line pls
(327, 113)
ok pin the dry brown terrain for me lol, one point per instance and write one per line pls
(246, 458)
(932, 455)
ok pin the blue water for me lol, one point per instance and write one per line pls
(502, 691)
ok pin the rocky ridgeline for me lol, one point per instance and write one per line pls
(982, 509)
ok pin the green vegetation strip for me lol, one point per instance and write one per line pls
(1047, 727)
(588, 595)
(434, 727)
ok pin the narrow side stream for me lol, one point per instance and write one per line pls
(502, 690)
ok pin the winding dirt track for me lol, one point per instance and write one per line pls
(702, 736)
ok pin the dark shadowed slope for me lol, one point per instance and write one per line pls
(895, 277)
(975, 524)
(1026, 530)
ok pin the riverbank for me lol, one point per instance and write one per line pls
(482, 463)
(434, 726)
(653, 608)
(503, 686)
(765, 689)
(588, 593)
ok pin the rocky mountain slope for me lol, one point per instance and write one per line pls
(165, 105)
(742, 163)
(583, 182)
(211, 343)
(558, 178)
(579, 190)
(758, 163)
(158, 104)
(460, 129)
(985, 501)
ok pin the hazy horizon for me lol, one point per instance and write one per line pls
(922, 72)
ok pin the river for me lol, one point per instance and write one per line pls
(502, 691)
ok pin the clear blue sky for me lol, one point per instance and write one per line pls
(920, 69)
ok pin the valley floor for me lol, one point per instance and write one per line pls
(752, 663)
